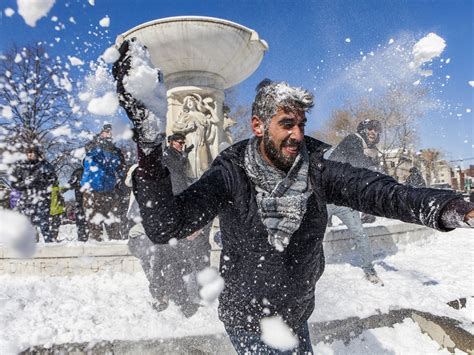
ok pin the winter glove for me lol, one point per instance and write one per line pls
(187, 150)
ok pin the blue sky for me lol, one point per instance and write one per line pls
(308, 47)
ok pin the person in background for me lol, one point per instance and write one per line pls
(79, 213)
(34, 178)
(415, 179)
(103, 172)
(360, 150)
(57, 210)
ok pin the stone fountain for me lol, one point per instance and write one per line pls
(199, 58)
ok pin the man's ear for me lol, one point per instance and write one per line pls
(257, 126)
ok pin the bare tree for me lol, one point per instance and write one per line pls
(429, 157)
(36, 102)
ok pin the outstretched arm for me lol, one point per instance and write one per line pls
(381, 195)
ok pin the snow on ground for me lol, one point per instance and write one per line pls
(45, 310)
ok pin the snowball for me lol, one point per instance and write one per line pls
(111, 55)
(33, 10)
(212, 284)
(348, 40)
(276, 334)
(105, 22)
(9, 12)
(17, 233)
(75, 61)
(427, 48)
(105, 105)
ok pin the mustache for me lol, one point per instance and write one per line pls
(291, 143)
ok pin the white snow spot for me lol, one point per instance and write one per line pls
(61, 131)
(33, 10)
(417, 82)
(212, 284)
(277, 334)
(427, 48)
(18, 58)
(7, 112)
(391, 41)
(75, 61)
(111, 55)
(9, 12)
(72, 20)
(85, 96)
(105, 22)
(79, 153)
(91, 2)
(105, 105)
(468, 110)
(348, 40)
(448, 60)
(471, 83)
(17, 233)
(54, 19)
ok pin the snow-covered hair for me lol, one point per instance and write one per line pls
(272, 96)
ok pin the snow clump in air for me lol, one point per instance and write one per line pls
(111, 55)
(33, 10)
(105, 105)
(75, 61)
(426, 49)
(276, 334)
(17, 233)
(471, 83)
(105, 22)
(212, 284)
(9, 12)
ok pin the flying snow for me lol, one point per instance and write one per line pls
(276, 334)
(105, 22)
(471, 83)
(17, 233)
(212, 284)
(105, 105)
(348, 40)
(75, 61)
(110, 55)
(33, 10)
(427, 48)
(91, 2)
(9, 12)
(7, 112)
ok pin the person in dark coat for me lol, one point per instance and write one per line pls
(104, 167)
(81, 224)
(270, 193)
(34, 178)
(360, 150)
(415, 178)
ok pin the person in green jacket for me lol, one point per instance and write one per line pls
(56, 210)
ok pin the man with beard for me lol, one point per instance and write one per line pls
(103, 172)
(34, 178)
(360, 150)
(270, 193)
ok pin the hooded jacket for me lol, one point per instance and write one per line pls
(259, 280)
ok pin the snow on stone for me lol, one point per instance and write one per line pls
(212, 284)
(105, 105)
(33, 10)
(17, 233)
(427, 48)
(276, 334)
(75, 61)
(110, 55)
(471, 83)
(105, 22)
(9, 12)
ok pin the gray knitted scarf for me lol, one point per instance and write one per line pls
(281, 198)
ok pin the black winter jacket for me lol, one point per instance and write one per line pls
(259, 280)
(176, 164)
(351, 150)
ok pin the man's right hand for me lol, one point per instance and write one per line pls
(122, 65)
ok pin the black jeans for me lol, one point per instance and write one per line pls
(245, 342)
